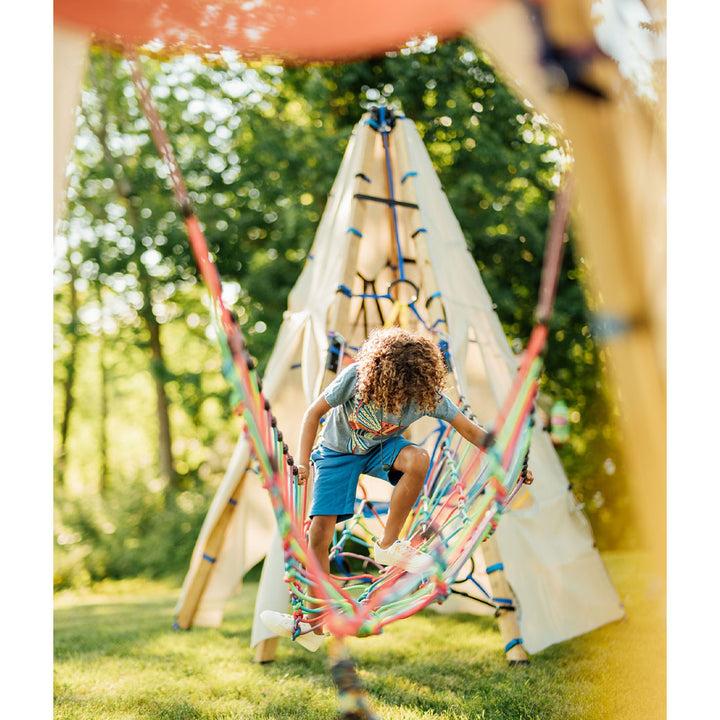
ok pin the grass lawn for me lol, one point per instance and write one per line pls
(117, 657)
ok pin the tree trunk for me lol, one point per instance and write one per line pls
(69, 398)
(157, 362)
(167, 465)
(103, 444)
(159, 372)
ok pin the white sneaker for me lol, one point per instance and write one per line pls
(402, 554)
(283, 625)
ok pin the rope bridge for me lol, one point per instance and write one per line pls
(465, 492)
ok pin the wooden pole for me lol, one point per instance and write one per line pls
(265, 650)
(198, 577)
(507, 610)
(617, 141)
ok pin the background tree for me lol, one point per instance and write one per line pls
(68, 334)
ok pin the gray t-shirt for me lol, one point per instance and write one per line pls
(355, 427)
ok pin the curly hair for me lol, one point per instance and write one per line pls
(396, 368)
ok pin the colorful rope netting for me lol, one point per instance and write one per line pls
(465, 492)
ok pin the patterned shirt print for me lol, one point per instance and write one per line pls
(367, 427)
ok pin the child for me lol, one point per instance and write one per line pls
(398, 377)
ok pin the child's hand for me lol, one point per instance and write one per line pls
(302, 475)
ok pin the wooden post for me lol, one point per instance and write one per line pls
(265, 650)
(200, 576)
(618, 144)
(507, 617)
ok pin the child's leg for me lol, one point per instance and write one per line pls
(413, 462)
(320, 536)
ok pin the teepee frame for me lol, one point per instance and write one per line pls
(389, 250)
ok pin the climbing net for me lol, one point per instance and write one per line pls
(465, 492)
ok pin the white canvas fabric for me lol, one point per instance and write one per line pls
(70, 59)
(546, 544)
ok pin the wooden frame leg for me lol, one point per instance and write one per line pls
(265, 650)
(507, 618)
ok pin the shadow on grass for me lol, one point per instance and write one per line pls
(109, 627)
(118, 657)
(448, 667)
(438, 666)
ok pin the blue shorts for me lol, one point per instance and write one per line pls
(336, 476)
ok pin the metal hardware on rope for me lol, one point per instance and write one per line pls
(606, 327)
(405, 281)
(336, 348)
(383, 118)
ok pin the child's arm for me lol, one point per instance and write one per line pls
(477, 435)
(308, 431)
(469, 430)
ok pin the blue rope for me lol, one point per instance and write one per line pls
(386, 146)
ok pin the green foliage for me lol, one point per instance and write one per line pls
(204, 427)
(131, 531)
